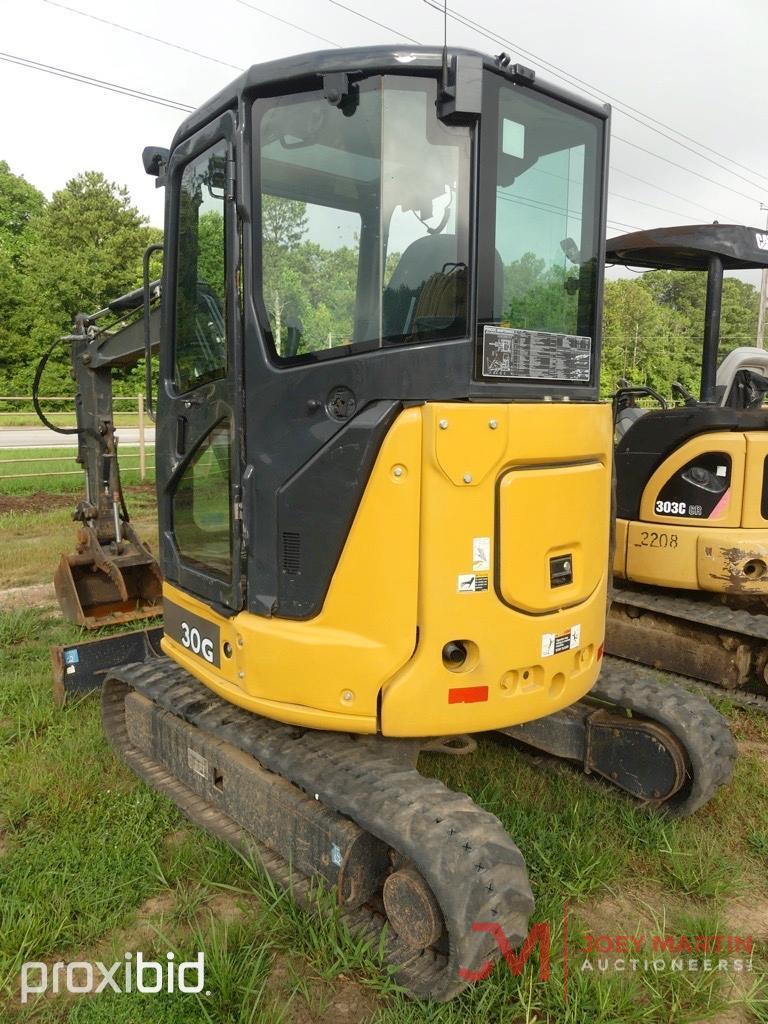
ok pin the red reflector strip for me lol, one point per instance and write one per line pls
(467, 694)
(600, 651)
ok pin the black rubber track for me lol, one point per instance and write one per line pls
(474, 869)
(703, 732)
(703, 615)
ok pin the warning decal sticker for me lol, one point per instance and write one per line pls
(481, 553)
(471, 583)
(552, 643)
(538, 355)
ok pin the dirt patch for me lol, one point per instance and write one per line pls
(38, 595)
(151, 912)
(46, 501)
(340, 1002)
(735, 989)
(748, 917)
(225, 907)
(176, 839)
(733, 1015)
(635, 911)
(40, 501)
(754, 748)
(149, 489)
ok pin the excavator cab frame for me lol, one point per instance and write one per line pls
(327, 139)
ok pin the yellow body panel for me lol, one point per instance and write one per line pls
(506, 651)
(366, 629)
(724, 554)
(668, 553)
(524, 554)
(430, 520)
(732, 444)
(757, 453)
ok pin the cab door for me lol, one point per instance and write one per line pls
(198, 453)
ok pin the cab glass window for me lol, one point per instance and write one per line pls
(546, 211)
(364, 240)
(200, 347)
(202, 506)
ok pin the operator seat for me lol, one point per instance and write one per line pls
(429, 285)
(741, 377)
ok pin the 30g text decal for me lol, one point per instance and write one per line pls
(201, 645)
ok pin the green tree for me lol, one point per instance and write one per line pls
(643, 342)
(536, 296)
(20, 202)
(685, 292)
(83, 249)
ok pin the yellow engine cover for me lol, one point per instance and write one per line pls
(726, 552)
(485, 524)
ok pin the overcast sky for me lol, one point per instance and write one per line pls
(696, 65)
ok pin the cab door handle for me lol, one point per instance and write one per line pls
(181, 435)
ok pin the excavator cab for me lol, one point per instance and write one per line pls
(362, 460)
(692, 484)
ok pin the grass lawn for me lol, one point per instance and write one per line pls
(33, 540)
(94, 864)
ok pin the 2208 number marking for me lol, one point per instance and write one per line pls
(651, 539)
(201, 645)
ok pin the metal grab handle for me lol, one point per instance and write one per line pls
(147, 333)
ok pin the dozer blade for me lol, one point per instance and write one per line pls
(80, 668)
(96, 587)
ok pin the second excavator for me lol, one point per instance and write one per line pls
(691, 562)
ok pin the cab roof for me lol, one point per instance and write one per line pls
(367, 60)
(689, 247)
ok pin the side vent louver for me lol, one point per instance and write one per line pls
(292, 553)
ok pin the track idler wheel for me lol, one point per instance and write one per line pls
(412, 908)
(657, 742)
(643, 758)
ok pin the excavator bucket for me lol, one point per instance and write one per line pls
(98, 586)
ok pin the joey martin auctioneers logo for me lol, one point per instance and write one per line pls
(621, 953)
(131, 974)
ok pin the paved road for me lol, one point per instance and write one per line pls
(41, 437)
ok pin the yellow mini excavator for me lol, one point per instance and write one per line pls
(384, 488)
(692, 491)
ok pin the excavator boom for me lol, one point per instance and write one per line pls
(112, 576)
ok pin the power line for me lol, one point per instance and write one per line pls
(617, 223)
(373, 21)
(729, 188)
(627, 106)
(142, 35)
(290, 24)
(675, 195)
(566, 76)
(642, 202)
(664, 135)
(136, 94)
